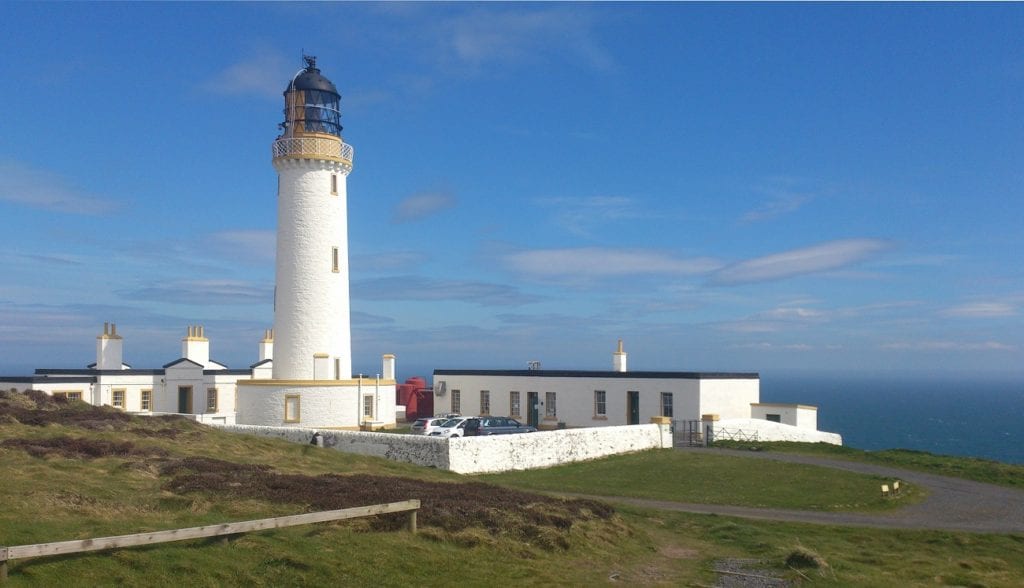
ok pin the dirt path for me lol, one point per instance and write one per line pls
(952, 504)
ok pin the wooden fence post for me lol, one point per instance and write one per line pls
(412, 522)
(3, 564)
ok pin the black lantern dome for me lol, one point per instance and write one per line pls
(311, 104)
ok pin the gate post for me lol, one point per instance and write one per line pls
(709, 421)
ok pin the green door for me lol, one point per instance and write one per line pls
(184, 399)
(633, 402)
(532, 409)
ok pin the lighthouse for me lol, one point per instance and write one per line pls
(312, 336)
(310, 346)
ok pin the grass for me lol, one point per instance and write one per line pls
(712, 479)
(54, 497)
(970, 468)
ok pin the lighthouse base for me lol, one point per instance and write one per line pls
(324, 404)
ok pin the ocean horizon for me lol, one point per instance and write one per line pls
(973, 416)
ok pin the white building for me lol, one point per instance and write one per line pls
(550, 399)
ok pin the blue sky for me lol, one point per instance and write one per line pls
(741, 187)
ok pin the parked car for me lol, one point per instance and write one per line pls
(426, 426)
(451, 428)
(479, 426)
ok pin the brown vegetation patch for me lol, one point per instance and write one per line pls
(451, 507)
(39, 409)
(81, 448)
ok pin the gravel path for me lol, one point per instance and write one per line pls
(953, 504)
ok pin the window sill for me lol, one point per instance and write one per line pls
(600, 418)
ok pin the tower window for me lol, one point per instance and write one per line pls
(334, 259)
(334, 184)
(291, 408)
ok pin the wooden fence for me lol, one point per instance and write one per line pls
(81, 545)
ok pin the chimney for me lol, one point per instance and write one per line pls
(195, 346)
(619, 359)
(267, 345)
(109, 349)
(388, 367)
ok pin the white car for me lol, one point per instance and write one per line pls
(427, 426)
(454, 427)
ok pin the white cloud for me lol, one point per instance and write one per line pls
(948, 346)
(784, 197)
(981, 310)
(826, 256)
(601, 262)
(254, 245)
(419, 288)
(580, 216)
(36, 188)
(419, 206)
(265, 74)
(490, 38)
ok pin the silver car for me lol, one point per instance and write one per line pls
(426, 426)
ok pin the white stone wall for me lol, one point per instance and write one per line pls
(311, 313)
(475, 455)
(769, 431)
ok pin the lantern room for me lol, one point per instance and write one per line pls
(311, 104)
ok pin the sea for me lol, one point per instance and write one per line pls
(977, 416)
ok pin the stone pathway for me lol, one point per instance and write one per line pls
(952, 504)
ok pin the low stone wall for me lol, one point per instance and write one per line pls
(475, 455)
(771, 431)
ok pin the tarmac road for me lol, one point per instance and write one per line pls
(952, 504)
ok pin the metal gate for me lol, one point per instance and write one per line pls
(687, 434)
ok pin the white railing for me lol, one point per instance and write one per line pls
(313, 147)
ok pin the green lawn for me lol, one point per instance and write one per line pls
(707, 478)
(55, 497)
(970, 468)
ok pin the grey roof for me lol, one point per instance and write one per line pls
(603, 374)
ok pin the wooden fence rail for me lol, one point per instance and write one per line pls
(81, 545)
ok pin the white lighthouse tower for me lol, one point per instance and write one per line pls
(312, 383)
(312, 337)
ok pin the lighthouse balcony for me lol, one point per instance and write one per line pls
(326, 147)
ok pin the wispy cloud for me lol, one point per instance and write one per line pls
(203, 292)
(581, 216)
(420, 206)
(420, 288)
(948, 346)
(253, 245)
(981, 310)
(783, 197)
(822, 257)
(261, 74)
(488, 38)
(602, 262)
(36, 188)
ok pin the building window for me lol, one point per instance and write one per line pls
(775, 418)
(666, 404)
(549, 406)
(211, 400)
(74, 396)
(117, 398)
(334, 184)
(513, 404)
(456, 401)
(291, 408)
(600, 404)
(337, 368)
(368, 407)
(146, 400)
(485, 402)
(334, 260)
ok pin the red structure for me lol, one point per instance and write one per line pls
(417, 398)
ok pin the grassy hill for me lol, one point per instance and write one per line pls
(72, 471)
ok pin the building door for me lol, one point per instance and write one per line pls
(185, 399)
(532, 409)
(633, 407)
